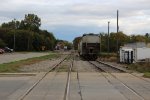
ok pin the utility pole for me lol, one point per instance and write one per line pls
(28, 44)
(108, 36)
(14, 35)
(117, 38)
(14, 42)
(117, 27)
(100, 40)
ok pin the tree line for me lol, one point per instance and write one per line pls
(116, 40)
(26, 35)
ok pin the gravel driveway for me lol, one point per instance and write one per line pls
(10, 57)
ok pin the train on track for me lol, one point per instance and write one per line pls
(89, 46)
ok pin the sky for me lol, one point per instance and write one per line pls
(68, 19)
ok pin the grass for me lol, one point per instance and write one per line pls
(14, 66)
(141, 67)
(111, 57)
(107, 55)
(147, 75)
(63, 68)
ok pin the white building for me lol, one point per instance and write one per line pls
(134, 52)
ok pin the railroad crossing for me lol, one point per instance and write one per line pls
(71, 78)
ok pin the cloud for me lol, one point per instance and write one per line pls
(72, 31)
(81, 15)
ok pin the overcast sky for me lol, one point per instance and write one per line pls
(70, 18)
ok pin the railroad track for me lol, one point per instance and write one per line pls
(112, 67)
(79, 85)
(105, 69)
(67, 89)
(38, 81)
(68, 84)
(57, 68)
(123, 70)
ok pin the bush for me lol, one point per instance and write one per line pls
(108, 57)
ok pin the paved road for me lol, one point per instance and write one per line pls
(91, 86)
(51, 88)
(94, 86)
(10, 57)
(9, 85)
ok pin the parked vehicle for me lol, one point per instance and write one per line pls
(1, 51)
(8, 49)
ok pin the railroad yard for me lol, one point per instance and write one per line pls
(68, 77)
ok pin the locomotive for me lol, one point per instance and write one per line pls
(89, 46)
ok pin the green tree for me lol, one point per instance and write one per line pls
(117, 40)
(27, 34)
(32, 22)
(76, 42)
(6, 36)
(147, 36)
(138, 38)
(2, 43)
(104, 41)
(11, 25)
(49, 39)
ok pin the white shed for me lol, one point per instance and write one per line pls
(126, 55)
(141, 54)
(130, 55)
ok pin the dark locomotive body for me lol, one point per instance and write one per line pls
(89, 46)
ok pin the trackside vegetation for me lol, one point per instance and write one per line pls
(14, 66)
(143, 67)
(147, 75)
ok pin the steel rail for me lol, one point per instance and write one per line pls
(80, 92)
(124, 71)
(38, 81)
(121, 70)
(132, 90)
(78, 79)
(67, 89)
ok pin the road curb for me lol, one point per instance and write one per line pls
(18, 74)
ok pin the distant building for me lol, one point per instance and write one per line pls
(59, 46)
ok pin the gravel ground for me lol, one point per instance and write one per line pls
(42, 66)
(121, 66)
(10, 57)
(116, 64)
(64, 66)
(79, 65)
(83, 66)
